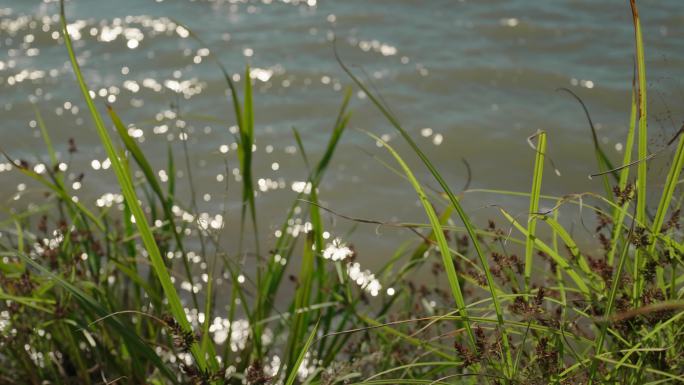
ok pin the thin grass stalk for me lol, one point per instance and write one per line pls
(604, 164)
(193, 203)
(642, 150)
(207, 347)
(46, 137)
(561, 284)
(74, 208)
(609, 308)
(417, 342)
(619, 214)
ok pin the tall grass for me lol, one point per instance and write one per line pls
(90, 295)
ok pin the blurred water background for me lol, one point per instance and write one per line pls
(470, 80)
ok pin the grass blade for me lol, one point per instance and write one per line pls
(245, 154)
(665, 201)
(561, 261)
(292, 371)
(128, 191)
(136, 345)
(602, 160)
(470, 229)
(438, 232)
(302, 297)
(619, 214)
(540, 152)
(151, 179)
(642, 149)
(609, 307)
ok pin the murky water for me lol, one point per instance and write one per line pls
(469, 79)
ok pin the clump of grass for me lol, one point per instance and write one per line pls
(90, 296)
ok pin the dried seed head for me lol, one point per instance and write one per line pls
(625, 195)
(640, 237)
(72, 146)
(255, 374)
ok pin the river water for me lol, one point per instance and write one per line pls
(469, 80)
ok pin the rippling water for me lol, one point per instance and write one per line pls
(469, 79)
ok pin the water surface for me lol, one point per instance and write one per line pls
(469, 79)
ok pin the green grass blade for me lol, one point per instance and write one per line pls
(60, 191)
(651, 333)
(151, 179)
(171, 190)
(560, 260)
(416, 342)
(571, 245)
(665, 202)
(609, 308)
(90, 304)
(452, 198)
(272, 281)
(135, 150)
(668, 191)
(46, 136)
(619, 214)
(128, 191)
(438, 232)
(245, 154)
(604, 164)
(302, 297)
(292, 371)
(642, 149)
(206, 344)
(540, 152)
(298, 139)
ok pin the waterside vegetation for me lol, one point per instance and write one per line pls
(93, 295)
